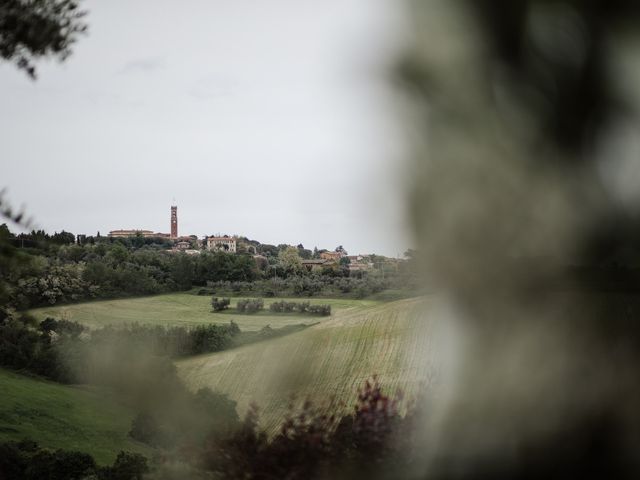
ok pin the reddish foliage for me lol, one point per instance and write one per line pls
(312, 444)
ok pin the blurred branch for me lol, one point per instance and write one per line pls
(18, 217)
(33, 29)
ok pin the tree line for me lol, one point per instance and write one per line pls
(300, 307)
(310, 285)
(63, 351)
(29, 461)
(41, 269)
(135, 363)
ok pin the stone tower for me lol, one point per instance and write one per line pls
(174, 221)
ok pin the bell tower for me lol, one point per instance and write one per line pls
(174, 221)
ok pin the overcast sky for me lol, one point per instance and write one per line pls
(268, 119)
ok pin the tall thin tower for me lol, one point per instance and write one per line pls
(174, 221)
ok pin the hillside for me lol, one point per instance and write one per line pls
(183, 309)
(68, 417)
(326, 363)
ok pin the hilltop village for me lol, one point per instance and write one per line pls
(317, 260)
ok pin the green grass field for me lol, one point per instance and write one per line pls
(185, 309)
(59, 416)
(326, 363)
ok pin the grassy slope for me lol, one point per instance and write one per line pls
(182, 309)
(60, 416)
(327, 362)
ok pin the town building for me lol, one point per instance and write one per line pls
(359, 267)
(174, 221)
(331, 255)
(315, 265)
(149, 233)
(182, 245)
(221, 244)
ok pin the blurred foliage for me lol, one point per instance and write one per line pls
(372, 442)
(524, 203)
(33, 29)
(27, 460)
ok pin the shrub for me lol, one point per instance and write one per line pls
(220, 304)
(62, 327)
(27, 460)
(250, 305)
(128, 466)
(303, 307)
(300, 307)
(283, 307)
(362, 292)
(323, 310)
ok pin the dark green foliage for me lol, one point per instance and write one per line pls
(57, 350)
(60, 464)
(219, 305)
(62, 327)
(48, 324)
(128, 466)
(300, 307)
(66, 358)
(219, 266)
(307, 285)
(283, 307)
(304, 253)
(182, 271)
(250, 305)
(38, 28)
(312, 284)
(26, 460)
(211, 338)
(25, 348)
(168, 341)
(14, 458)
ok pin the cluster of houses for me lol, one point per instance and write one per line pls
(213, 244)
(355, 263)
(188, 244)
(191, 245)
(229, 244)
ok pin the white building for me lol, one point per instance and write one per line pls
(221, 244)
